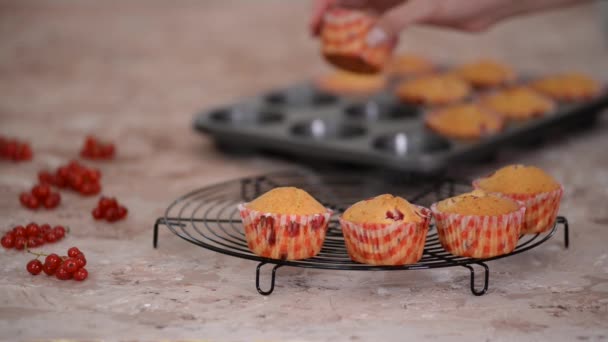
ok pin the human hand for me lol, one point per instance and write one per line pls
(469, 15)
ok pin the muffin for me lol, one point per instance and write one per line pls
(478, 224)
(285, 223)
(485, 73)
(348, 83)
(385, 230)
(464, 121)
(519, 103)
(540, 193)
(569, 87)
(433, 90)
(344, 42)
(410, 65)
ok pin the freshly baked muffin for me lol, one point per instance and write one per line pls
(433, 90)
(478, 224)
(486, 73)
(348, 83)
(464, 121)
(540, 193)
(410, 65)
(285, 223)
(385, 230)
(518, 103)
(568, 87)
(344, 42)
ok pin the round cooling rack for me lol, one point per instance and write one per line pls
(209, 218)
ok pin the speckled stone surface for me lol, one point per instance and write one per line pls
(136, 71)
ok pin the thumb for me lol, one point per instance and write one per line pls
(391, 23)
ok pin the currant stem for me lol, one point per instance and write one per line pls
(38, 255)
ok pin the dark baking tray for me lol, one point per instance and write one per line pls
(378, 131)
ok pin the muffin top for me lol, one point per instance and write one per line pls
(567, 86)
(486, 72)
(464, 121)
(518, 179)
(349, 82)
(410, 64)
(382, 209)
(478, 203)
(287, 200)
(433, 89)
(518, 103)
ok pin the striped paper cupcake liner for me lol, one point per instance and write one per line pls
(344, 42)
(541, 208)
(284, 236)
(479, 236)
(398, 243)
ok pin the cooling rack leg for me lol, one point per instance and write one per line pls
(159, 221)
(257, 279)
(564, 221)
(485, 280)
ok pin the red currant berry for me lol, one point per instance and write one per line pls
(122, 212)
(53, 261)
(45, 228)
(41, 191)
(45, 177)
(59, 232)
(34, 267)
(19, 231)
(32, 242)
(39, 240)
(93, 174)
(73, 252)
(8, 241)
(70, 265)
(112, 215)
(63, 172)
(25, 152)
(97, 213)
(52, 201)
(104, 203)
(48, 270)
(50, 237)
(81, 274)
(32, 202)
(24, 198)
(62, 274)
(107, 151)
(81, 261)
(20, 243)
(32, 229)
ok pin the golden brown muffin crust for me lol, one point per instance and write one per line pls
(518, 103)
(343, 82)
(433, 90)
(382, 209)
(485, 73)
(409, 65)
(287, 200)
(464, 121)
(567, 87)
(519, 179)
(478, 203)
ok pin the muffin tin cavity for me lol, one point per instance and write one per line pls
(373, 111)
(319, 129)
(236, 116)
(311, 97)
(409, 143)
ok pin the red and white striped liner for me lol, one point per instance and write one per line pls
(398, 243)
(284, 236)
(344, 42)
(541, 208)
(479, 236)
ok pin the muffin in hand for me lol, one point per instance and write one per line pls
(385, 230)
(540, 192)
(478, 224)
(285, 223)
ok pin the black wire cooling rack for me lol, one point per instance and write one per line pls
(209, 218)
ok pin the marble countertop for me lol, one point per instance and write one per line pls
(136, 71)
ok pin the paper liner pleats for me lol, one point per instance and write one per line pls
(398, 243)
(479, 236)
(541, 208)
(284, 236)
(344, 42)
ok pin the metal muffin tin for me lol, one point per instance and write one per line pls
(378, 130)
